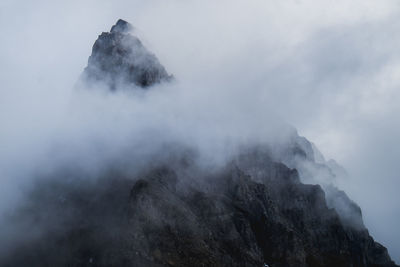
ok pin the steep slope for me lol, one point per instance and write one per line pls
(255, 210)
(178, 215)
(119, 59)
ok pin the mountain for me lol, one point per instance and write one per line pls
(120, 59)
(271, 204)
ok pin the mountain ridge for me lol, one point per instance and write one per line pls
(119, 59)
(269, 205)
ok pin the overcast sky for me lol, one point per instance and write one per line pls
(330, 68)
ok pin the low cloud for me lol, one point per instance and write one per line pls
(242, 67)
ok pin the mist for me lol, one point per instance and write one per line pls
(243, 70)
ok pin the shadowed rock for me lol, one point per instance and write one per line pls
(120, 60)
(254, 211)
(224, 218)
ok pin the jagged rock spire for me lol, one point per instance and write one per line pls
(119, 59)
(122, 26)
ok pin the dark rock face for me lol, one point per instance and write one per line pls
(254, 211)
(223, 218)
(120, 60)
(298, 153)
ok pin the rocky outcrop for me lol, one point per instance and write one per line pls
(270, 205)
(243, 214)
(119, 60)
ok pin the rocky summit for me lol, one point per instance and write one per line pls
(119, 59)
(254, 210)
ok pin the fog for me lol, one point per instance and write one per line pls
(329, 69)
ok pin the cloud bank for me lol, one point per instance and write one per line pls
(329, 69)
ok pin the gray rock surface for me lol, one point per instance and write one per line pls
(119, 60)
(255, 210)
(222, 218)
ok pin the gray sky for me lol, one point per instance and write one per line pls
(330, 68)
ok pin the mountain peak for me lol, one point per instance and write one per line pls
(120, 60)
(122, 26)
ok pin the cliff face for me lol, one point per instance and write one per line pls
(179, 215)
(119, 59)
(255, 210)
